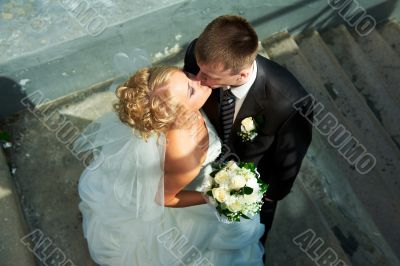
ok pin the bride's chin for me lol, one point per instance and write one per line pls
(207, 94)
(208, 91)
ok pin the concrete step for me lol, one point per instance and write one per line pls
(13, 227)
(352, 105)
(297, 216)
(48, 172)
(332, 194)
(365, 205)
(387, 62)
(365, 78)
(390, 31)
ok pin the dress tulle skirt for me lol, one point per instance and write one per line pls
(184, 236)
(178, 236)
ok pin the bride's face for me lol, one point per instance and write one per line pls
(189, 92)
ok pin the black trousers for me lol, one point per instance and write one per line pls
(266, 217)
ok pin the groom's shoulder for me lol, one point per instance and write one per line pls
(279, 81)
(190, 64)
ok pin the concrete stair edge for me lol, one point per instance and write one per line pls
(343, 212)
(286, 227)
(365, 78)
(386, 63)
(388, 31)
(289, 56)
(322, 217)
(348, 98)
(14, 226)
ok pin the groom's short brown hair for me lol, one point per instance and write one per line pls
(229, 40)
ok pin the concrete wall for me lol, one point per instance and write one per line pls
(120, 36)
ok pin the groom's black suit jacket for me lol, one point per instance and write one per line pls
(284, 136)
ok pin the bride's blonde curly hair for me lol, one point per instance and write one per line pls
(143, 106)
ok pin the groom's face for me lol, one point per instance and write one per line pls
(215, 76)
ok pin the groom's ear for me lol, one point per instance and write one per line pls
(244, 74)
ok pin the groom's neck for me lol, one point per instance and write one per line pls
(247, 72)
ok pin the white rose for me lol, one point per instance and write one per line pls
(221, 177)
(248, 124)
(225, 186)
(234, 206)
(250, 199)
(237, 182)
(231, 165)
(220, 194)
(247, 174)
(252, 182)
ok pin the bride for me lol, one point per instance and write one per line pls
(141, 196)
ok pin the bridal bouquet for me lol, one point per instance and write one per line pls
(235, 190)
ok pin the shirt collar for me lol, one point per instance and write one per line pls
(242, 90)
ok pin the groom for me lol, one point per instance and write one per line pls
(247, 85)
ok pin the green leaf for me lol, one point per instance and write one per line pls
(245, 216)
(209, 193)
(249, 165)
(225, 212)
(263, 186)
(213, 173)
(247, 190)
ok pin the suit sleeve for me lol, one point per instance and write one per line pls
(281, 166)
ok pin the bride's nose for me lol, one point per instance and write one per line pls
(197, 82)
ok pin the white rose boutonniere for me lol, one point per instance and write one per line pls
(248, 129)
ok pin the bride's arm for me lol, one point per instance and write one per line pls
(181, 167)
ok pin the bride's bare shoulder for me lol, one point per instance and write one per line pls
(180, 150)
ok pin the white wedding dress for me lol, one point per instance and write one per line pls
(124, 226)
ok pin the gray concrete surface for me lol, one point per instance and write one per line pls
(387, 63)
(352, 105)
(46, 48)
(29, 26)
(13, 227)
(389, 32)
(365, 78)
(347, 188)
(295, 215)
(48, 172)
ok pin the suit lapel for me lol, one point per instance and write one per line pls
(253, 103)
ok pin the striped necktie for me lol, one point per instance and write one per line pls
(227, 113)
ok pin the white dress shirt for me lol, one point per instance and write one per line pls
(241, 91)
